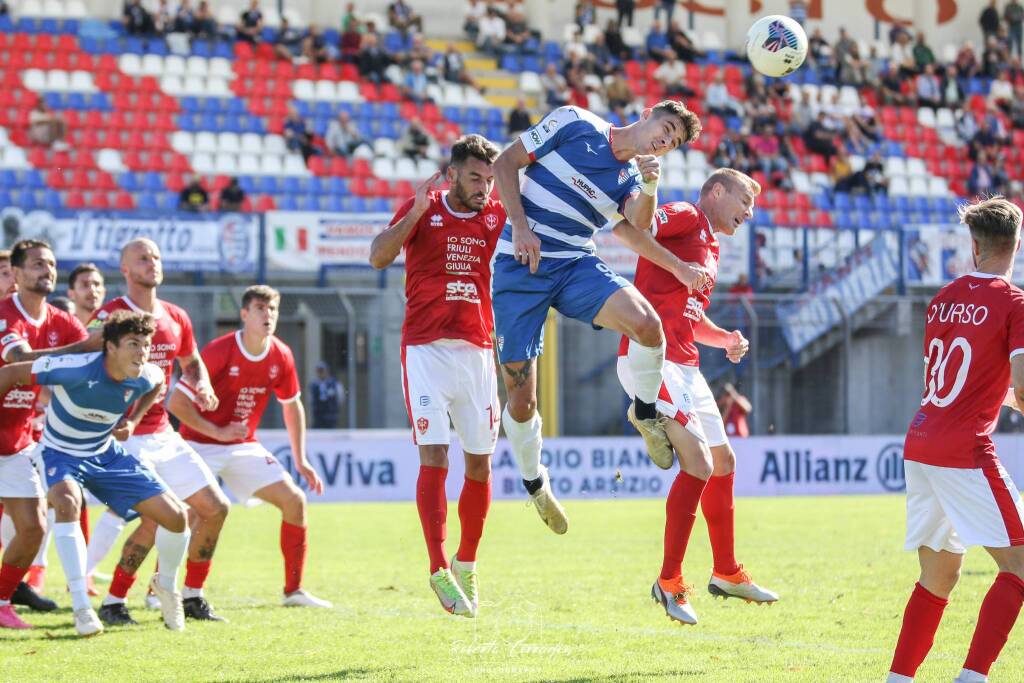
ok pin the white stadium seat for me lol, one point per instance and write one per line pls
(4, 141)
(14, 157)
(172, 85)
(227, 15)
(229, 142)
(895, 166)
(58, 81)
(130, 63)
(221, 67)
(182, 142)
(325, 91)
(303, 89)
(694, 179)
(529, 82)
(295, 165)
(425, 168)
(205, 141)
(248, 164)
(274, 144)
(270, 164)
(919, 186)
(252, 143)
(174, 65)
(362, 152)
(54, 8)
(31, 8)
(225, 163)
(916, 167)
(348, 92)
(944, 118)
(217, 87)
(81, 81)
(386, 168)
(384, 147)
(696, 159)
(202, 163)
(898, 186)
(801, 182)
(937, 187)
(674, 161)
(856, 163)
(197, 66)
(926, 116)
(110, 161)
(194, 86)
(152, 65)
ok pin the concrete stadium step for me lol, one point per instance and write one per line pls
(499, 81)
(480, 64)
(463, 46)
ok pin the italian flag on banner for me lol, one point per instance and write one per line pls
(291, 238)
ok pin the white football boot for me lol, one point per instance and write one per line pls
(465, 576)
(740, 585)
(548, 507)
(170, 605)
(301, 598)
(448, 592)
(671, 594)
(659, 449)
(87, 623)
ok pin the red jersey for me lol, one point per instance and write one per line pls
(173, 339)
(448, 272)
(974, 326)
(684, 230)
(17, 406)
(243, 383)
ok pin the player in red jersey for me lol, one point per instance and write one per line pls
(686, 234)
(245, 368)
(447, 362)
(154, 441)
(7, 286)
(958, 494)
(28, 325)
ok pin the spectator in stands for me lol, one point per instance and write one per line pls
(250, 23)
(490, 32)
(820, 55)
(613, 39)
(923, 55)
(902, 55)
(184, 18)
(840, 170)
(617, 92)
(671, 74)
(734, 408)
(518, 119)
(517, 32)
(193, 196)
(624, 9)
(599, 57)
(682, 44)
(1000, 92)
(929, 89)
(890, 87)
(314, 47)
(1017, 107)
(136, 19)
(232, 197)
(819, 139)
(343, 137)
(988, 138)
(874, 174)
(666, 7)
(967, 61)
(415, 86)
(865, 126)
(584, 14)
(46, 127)
(742, 287)
(163, 18)
(287, 44)
(401, 17)
(844, 45)
(989, 20)
(852, 69)
(556, 90)
(732, 151)
(770, 156)
(1013, 15)
(351, 41)
(454, 68)
(798, 11)
(718, 100)
(475, 11)
(658, 47)
(4, 8)
(349, 17)
(373, 60)
(204, 24)
(297, 134)
(327, 395)
(803, 115)
(418, 49)
(574, 50)
(982, 180)
(952, 93)
(414, 141)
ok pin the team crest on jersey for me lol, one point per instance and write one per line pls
(491, 221)
(623, 176)
(233, 371)
(422, 424)
(436, 221)
(102, 315)
(127, 395)
(273, 371)
(51, 471)
(52, 338)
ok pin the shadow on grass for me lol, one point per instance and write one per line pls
(632, 676)
(339, 675)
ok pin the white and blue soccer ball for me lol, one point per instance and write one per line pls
(776, 45)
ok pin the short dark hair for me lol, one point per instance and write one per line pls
(81, 269)
(19, 252)
(690, 121)
(264, 293)
(994, 222)
(476, 146)
(63, 303)
(120, 324)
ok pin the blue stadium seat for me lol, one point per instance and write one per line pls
(290, 185)
(67, 26)
(188, 122)
(266, 184)
(152, 182)
(51, 200)
(247, 183)
(337, 186)
(33, 179)
(100, 101)
(76, 100)
(880, 202)
(28, 25)
(843, 219)
(190, 104)
(27, 199)
(167, 201)
(393, 42)
(323, 109)
(249, 123)
(233, 123)
(919, 204)
(389, 129)
(234, 105)
(157, 46)
(452, 113)
(842, 201)
(334, 204)
(6, 23)
(8, 179)
(511, 63)
(287, 203)
(202, 48)
(353, 204)
(5, 198)
(381, 205)
(223, 49)
(208, 122)
(861, 203)
(146, 201)
(129, 181)
(900, 203)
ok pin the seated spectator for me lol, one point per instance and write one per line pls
(491, 32)
(518, 119)
(853, 70)
(454, 68)
(297, 135)
(351, 41)
(556, 90)
(232, 197)
(988, 138)
(803, 115)
(575, 50)
(617, 92)
(204, 25)
(1000, 93)
(841, 171)
(193, 196)
(682, 44)
(952, 93)
(658, 47)
(769, 156)
(966, 126)
(819, 139)
(613, 39)
(982, 180)
(46, 127)
(844, 45)
(599, 57)
(993, 57)
(517, 32)
(874, 174)
(137, 21)
(372, 60)
(902, 55)
(288, 41)
(184, 18)
(967, 61)
(672, 75)
(314, 47)
(163, 18)
(415, 86)
(929, 89)
(401, 17)
(4, 8)
(923, 55)
(475, 10)
(414, 142)
(1017, 108)
(343, 137)
(733, 152)
(989, 20)
(867, 126)
(890, 88)
(250, 23)
(718, 100)
(820, 55)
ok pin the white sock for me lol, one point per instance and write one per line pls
(67, 536)
(44, 547)
(898, 678)
(187, 592)
(6, 530)
(113, 600)
(968, 676)
(170, 552)
(646, 363)
(103, 537)
(525, 440)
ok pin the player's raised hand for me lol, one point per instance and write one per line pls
(737, 346)
(233, 431)
(526, 246)
(205, 398)
(693, 275)
(311, 477)
(123, 429)
(422, 202)
(650, 167)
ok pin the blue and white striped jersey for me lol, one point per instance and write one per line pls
(85, 403)
(574, 186)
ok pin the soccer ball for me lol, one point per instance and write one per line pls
(776, 45)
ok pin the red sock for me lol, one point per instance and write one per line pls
(195, 573)
(83, 521)
(10, 577)
(717, 504)
(432, 504)
(293, 547)
(680, 514)
(121, 583)
(473, 505)
(998, 614)
(920, 621)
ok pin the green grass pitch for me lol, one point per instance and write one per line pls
(571, 608)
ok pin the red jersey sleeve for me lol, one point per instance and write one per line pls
(400, 214)
(677, 218)
(1015, 323)
(72, 329)
(12, 335)
(188, 338)
(287, 388)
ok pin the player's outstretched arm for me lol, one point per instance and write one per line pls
(708, 333)
(195, 374)
(295, 422)
(92, 343)
(639, 208)
(643, 243)
(525, 243)
(15, 375)
(181, 406)
(127, 425)
(386, 246)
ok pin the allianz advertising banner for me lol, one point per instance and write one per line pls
(379, 466)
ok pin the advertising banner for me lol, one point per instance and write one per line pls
(210, 243)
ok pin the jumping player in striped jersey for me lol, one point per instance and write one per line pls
(92, 392)
(582, 175)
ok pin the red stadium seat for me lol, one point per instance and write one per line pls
(359, 186)
(104, 181)
(265, 203)
(306, 71)
(98, 200)
(349, 72)
(175, 182)
(328, 72)
(339, 167)
(317, 165)
(124, 201)
(56, 180)
(75, 200)
(80, 179)
(179, 164)
(243, 50)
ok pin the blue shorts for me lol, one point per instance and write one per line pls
(577, 288)
(116, 478)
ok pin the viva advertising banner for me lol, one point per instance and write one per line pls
(188, 242)
(936, 254)
(866, 273)
(382, 466)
